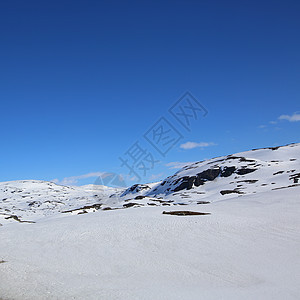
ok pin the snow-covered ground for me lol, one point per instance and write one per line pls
(246, 248)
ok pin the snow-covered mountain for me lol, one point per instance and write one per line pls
(250, 172)
(247, 172)
(240, 239)
(30, 200)
(216, 179)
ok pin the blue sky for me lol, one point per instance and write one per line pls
(82, 81)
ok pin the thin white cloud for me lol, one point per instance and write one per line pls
(133, 178)
(291, 118)
(177, 164)
(192, 145)
(155, 176)
(73, 180)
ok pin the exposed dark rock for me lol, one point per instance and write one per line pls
(243, 159)
(279, 172)
(235, 191)
(184, 213)
(295, 177)
(271, 148)
(95, 206)
(18, 219)
(177, 180)
(198, 181)
(162, 201)
(227, 171)
(135, 189)
(245, 171)
(274, 148)
(34, 204)
(285, 187)
(240, 158)
(130, 204)
(209, 174)
(248, 181)
(186, 183)
(107, 208)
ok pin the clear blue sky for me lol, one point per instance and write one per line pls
(82, 81)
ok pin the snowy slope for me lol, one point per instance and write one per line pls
(30, 200)
(227, 177)
(241, 173)
(244, 250)
(217, 179)
(246, 247)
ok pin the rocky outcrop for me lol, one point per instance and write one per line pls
(244, 171)
(227, 171)
(136, 188)
(187, 182)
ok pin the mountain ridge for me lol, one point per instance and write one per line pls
(215, 179)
